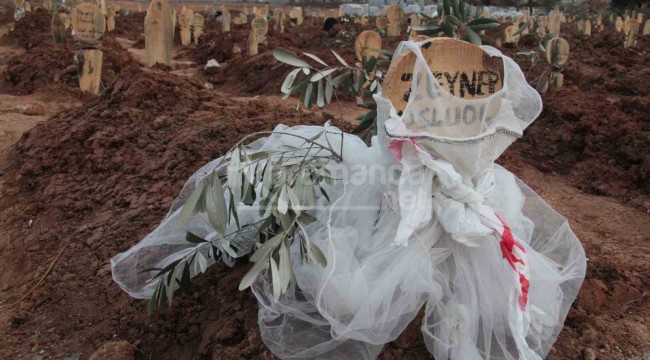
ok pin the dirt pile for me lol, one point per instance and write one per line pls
(595, 131)
(6, 12)
(262, 74)
(30, 31)
(130, 26)
(97, 179)
(52, 66)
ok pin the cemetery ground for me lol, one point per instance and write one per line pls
(86, 177)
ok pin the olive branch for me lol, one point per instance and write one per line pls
(283, 183)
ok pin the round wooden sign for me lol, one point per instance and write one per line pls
(557, 51)
(368, 44)
(463, 69)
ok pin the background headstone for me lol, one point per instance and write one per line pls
(197, 26)
(381, 23)
(111, 10)
(296, 15)
(225, 18)
(555, 20)
(88, 26)
(158, 32)
(252, 43)
(394, 14)
(367, 44)
(184, 23)
(261, 27)
(59, 28)
(632, 30)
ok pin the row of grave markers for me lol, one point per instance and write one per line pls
(629, 25)
(90, 20)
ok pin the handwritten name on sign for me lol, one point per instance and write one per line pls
(451, 69)
(462, 84)
(88, 21)
(446, 116)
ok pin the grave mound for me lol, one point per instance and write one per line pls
(31, 31)
(52, 66)
(98, 178)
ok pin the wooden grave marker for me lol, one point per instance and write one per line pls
(59, 27)
(367, 44)
(557, 54)
(646, 28)
(464, 70)
(253, 42)
(632, 31)
(261, 27)
(381, 23)
(184, 23)
(158, 33)
(225, 18)
(364, 21)
(415, 19)
(296, 16)
(585, 29)
(394, 15)
(618, 24)
(555, 20)
(264, 11)
(88, 27)
(197, 26)
(111, 10)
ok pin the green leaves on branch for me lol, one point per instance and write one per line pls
(320, 87)
(283, 184)
(454, 22)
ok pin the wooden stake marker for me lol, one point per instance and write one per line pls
(261, 27)
(59, 28)
(557, 51)
(296, 16)
(197, 26)
(225, 18)
(557, 54)
(88, 26)
(381, 23)
(111, 10)
(252, 43)
(394, 14)
(158, 33)
(184, 23)
(632, 31)
(458, 65)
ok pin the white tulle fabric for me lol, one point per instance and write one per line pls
(430, 236)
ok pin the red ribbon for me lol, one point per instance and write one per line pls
(508, 244)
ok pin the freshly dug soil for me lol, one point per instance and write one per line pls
(6, 13)
(97, 179)
(262, 74)
(92, 181)
(130, 26)
(32, 30)
(52, 66)
(595, 131)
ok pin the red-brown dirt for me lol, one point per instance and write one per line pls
(93, 180)
(595, 131)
